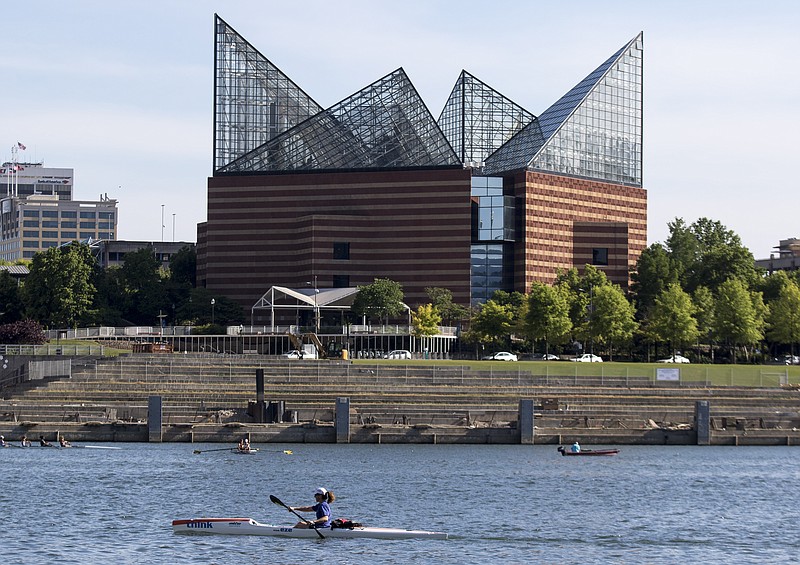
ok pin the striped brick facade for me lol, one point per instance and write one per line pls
(412, 227)
(562, 219)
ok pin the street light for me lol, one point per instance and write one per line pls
(213, 301)
(316, 307)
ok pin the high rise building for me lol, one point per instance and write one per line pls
(37, 211)
(488, 197)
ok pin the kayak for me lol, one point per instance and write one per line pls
(248, 526)
(588, 452)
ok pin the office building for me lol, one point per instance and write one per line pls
(37, 211)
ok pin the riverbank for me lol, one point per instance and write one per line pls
(324, 433)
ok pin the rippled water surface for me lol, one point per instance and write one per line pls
(500, 504)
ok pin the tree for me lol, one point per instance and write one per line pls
(672, 318)
(738, 316)
(426, 320)
(783, 320)
(613, 320)
(183, 266)
(10, 302)
(58, 290)
(547, 314)
(383, 299)
(708, 254)
(145, 293)
(654, 272)
(704, 315)
(442, 300)
(491, 325)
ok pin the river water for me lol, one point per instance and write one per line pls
(500, 504)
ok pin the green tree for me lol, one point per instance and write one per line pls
(738, 316)
(58, 290)
(672, 318)
(145, 293)
(491, 325)
(442, 300)
(547, 314)
(426, 320)
(613, 320)
(383, 299)
(654, 272)
(783, 320)
(183, 266)
(708, 254)
(10, 302)
(704, 306)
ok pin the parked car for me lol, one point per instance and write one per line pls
(545, 357)
(296, 354)
(674, 359)
(792, 359)
(501, 356)
(588, 358)
(398, 354)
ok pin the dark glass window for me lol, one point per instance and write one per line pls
(341, 250)
(341, 281)
(600, 256)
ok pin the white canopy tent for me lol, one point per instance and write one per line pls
(316, 299)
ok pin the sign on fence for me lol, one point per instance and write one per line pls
(668, 374)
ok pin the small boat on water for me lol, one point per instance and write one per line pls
(587, 452)
(248, 526)
(248, 451)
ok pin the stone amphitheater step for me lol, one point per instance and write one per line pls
(188, 385)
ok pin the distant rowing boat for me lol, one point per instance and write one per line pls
(587, 452)
(250, 451)
(248, 526)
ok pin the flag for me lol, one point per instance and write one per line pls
(20, 146)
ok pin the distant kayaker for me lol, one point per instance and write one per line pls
(3, 442)
(25, 442)
(576, 448)
(44, 443)
(324, 498)
(63, 442)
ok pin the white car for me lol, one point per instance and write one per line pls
(398, 354)
(293, 354)
(502, 356)
(588, 358)
(674, 359)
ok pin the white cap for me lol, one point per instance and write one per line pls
(321, 491)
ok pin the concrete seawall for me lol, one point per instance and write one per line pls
(385, 434)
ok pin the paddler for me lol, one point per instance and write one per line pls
(3, 442)
(63, 442)
(44, 443)
(324, 498)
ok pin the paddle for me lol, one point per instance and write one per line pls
(277, 501)
(196, 451)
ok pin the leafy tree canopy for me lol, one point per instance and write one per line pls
(383, 299)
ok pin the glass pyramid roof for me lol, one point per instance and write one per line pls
(385, 125)
(595, 130)
(477, 119)
(253, 100)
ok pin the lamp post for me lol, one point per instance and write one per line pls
(213, 301)
(162, 223)
(316, 307)
(173, 227)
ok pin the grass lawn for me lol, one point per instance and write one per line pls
(717, 375)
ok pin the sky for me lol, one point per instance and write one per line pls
(122, 91)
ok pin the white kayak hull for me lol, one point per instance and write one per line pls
(248, 526)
